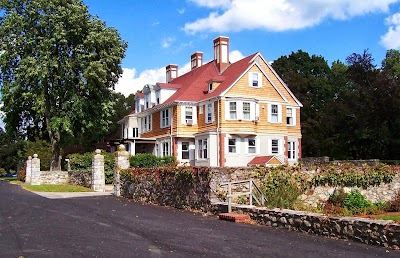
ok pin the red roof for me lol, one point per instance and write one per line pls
(139, 94)
(194, 84)
(169, 85)
(260, 160)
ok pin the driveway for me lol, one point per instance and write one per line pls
(105, 226)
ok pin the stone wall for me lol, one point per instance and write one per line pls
(373, 232)
(54, 177)
(166, 187)
(81, 178)
(317, 161)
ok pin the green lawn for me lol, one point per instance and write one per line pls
(394, 217)
(11, 179)
(57, 188)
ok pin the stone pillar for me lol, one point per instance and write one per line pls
(28, 174)
(35, 178)
(121, 162)
(98, 175)
(68, 165)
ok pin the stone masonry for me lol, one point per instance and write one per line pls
(28, 174)
(121, 162)
(35, 179)
(98, 177)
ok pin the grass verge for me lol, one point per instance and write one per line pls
(56, 188)
(394, 217)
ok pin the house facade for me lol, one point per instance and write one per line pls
(218, 114)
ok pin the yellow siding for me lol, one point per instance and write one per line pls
(264, 93)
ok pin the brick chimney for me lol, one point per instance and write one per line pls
(171, 72)
(196, 60)
(221, 53)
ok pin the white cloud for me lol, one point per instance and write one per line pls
(391, 40)
(279, 15)
(166, 43)
(131, 83)
(181, 11)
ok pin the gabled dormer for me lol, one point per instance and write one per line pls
(139, 102)
(149, 96)
(164, 91)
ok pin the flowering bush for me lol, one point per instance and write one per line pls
(22, 174)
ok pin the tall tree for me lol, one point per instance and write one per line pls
(308, 78)
(58, 68)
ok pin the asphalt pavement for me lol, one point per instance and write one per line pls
(32, 225)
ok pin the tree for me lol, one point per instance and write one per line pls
(308, 78)
(58, 68)
(9, 151)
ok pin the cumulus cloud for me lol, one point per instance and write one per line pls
(391, 40)
(130, 82)
(166, 43)
(278, 15)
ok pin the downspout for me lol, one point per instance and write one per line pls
(218, 135)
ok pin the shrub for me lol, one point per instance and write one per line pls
(22, 174)
(282, 185)
(40, 147)
(147, 160)
(2, 171)
(394, 204)
(338, 197)
(355, 202)
(83, 162)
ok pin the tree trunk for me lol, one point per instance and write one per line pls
(55, 164)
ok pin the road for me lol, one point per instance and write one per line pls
(106, 226)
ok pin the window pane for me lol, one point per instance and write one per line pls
(232, 145)
(255, 79)
(232, 110)
(275, 146)
(185, 150)
(246, 110)
(252, 145)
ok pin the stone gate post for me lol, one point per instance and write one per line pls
(35, 171)
(98, 176)
(121, 162)
(28, 174)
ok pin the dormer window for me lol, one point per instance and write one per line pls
(210, 87)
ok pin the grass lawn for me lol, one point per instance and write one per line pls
(11, 179)
(394, 217)
(56, 188)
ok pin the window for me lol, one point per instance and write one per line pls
(291, 150)
(202, 150)
(252, 145)
(275, 146)
(210, 113)
(232, 145)
(146, 123)
(165, 149)
(210, 87)
(289, 116)
(274, 113)
(232, 110)
(165, 118)
(185, 150)
(246, 110)
(254, 78)
(189, 114)
(147, 100)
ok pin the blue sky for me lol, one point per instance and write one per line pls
(162, 32)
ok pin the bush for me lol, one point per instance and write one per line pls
(21, 174)
(147, 160)
(394, 204)
(338, 197)
(83, 162)
(2, 171)
(281, 185)
(42, 148)
(355, 202)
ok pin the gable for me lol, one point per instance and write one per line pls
(267, 92)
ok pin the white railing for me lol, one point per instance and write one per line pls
(252, 187)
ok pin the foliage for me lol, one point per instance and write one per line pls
(394, 204)
(81, 162)
(59, 66)
(39, 147)
(9, 146)
(180, 187)
(22, 174)
(355, 202)
(57, 188)
(2, 171)
(348, 175)
(281, 185)
(147, 160)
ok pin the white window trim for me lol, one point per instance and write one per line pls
(163, 117)
(292, 148)
(256, 147)
(212, 113)
(187, 151)
(250, 109)
(183, 115)
(259, 77)
(279, 113)
(236, 145)
(279, 146)
(293, 116)
(235, 111)
(202, 150)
